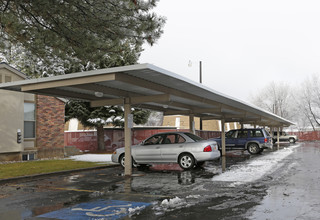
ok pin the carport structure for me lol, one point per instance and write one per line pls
(150, 87)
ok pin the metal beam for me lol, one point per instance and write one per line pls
(106, 90)
(67, 82)
(133, 100)
(150, 107)
(195, 111)
(176, 112)
(64, 94)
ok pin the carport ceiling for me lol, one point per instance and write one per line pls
(150, 87)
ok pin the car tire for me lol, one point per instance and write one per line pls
(122, 163)
(121, 160)
(186, 161)
(292, 140)
(253, 148)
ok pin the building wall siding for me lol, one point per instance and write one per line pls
(11, 116)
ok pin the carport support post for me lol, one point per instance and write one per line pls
(191, 124)
(127, 139)
(223, 137)
(278, 137)
(223, 143)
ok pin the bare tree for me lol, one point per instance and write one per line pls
(308, 99)
(276, 98)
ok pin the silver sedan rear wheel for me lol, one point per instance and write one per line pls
(186, 161)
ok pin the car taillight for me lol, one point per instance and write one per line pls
(207, 149)
(266, 140)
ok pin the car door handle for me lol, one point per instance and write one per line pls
(157, 147)
(181, 146)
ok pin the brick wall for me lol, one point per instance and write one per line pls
(49, 126)
(307, 135)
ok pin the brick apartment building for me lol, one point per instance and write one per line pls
(39, 119)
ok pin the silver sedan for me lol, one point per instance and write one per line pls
(186, 149)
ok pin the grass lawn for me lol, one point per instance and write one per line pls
(42, 166)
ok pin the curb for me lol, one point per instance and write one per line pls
(30, 177)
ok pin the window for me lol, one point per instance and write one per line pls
(157, 139)
(180, 139)
(257, 133)
(28, 157)
(242, 134)
(231, 134)
(173, 139)
(7, 79)
(0, 78)
(194, 137)
(29, 120)
(170, 139)
(266, 132)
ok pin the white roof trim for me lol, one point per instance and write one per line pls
(12, 69)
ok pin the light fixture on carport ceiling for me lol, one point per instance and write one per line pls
(98, 94)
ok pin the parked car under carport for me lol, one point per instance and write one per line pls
(186, 149)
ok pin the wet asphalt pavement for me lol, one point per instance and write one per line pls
(290, 191)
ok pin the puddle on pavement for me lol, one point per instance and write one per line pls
(73, 178)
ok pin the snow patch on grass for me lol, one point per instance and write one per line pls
(102, 158)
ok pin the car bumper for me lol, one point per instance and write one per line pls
(266, 146)
(205, 156)
(115, 158)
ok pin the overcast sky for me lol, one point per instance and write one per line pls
(243, 44)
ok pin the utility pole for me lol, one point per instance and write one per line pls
(200, 79)
(200, 71)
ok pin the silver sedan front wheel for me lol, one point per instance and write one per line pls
(121, 160)
(186, 161)
(122, 163)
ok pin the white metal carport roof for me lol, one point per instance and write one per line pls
(148, 86)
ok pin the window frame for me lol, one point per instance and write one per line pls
(27, 121)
